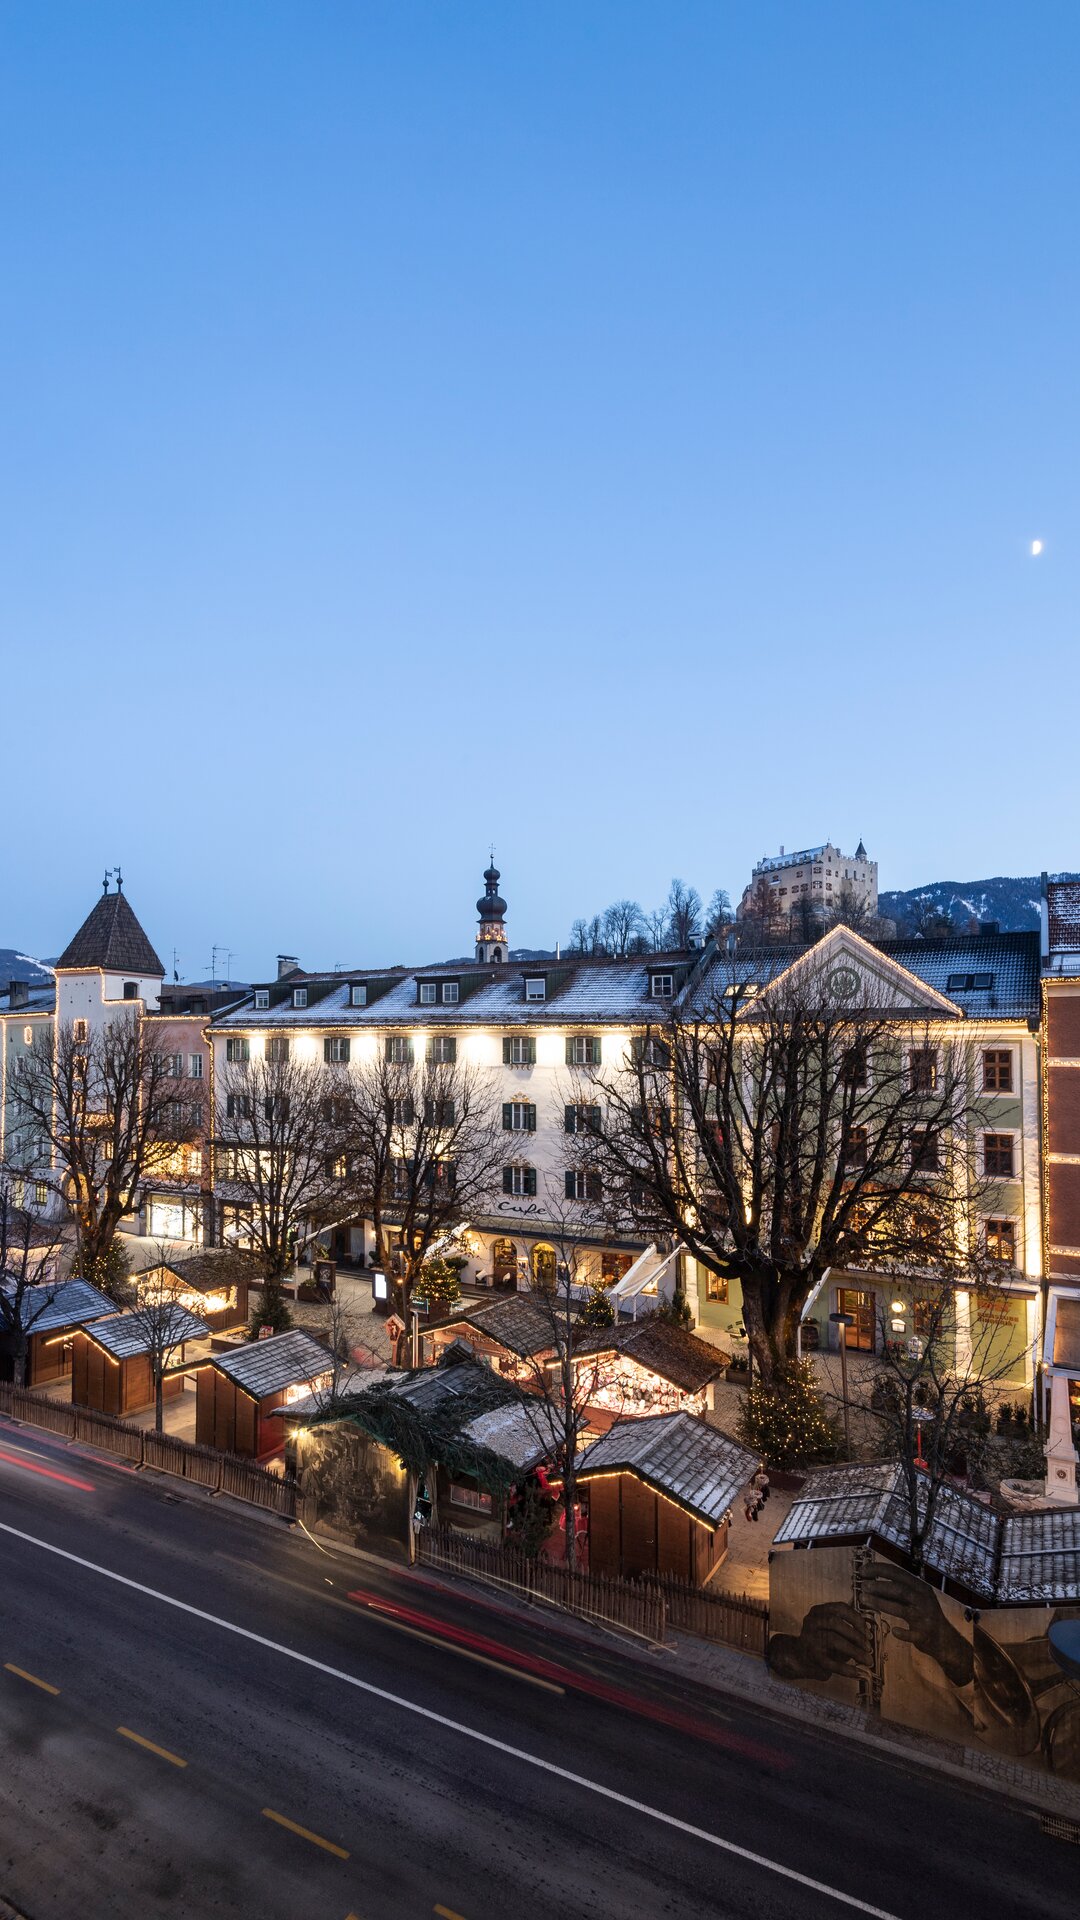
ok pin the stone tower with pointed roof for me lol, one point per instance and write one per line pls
(491, 944)
(108, 962)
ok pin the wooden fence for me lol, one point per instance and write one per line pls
(594, 1596)
(735, 1618)
(165, 1452)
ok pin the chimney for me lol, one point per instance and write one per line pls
(18, 993)
(287, 963)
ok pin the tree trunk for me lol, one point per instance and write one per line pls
(18, 1367)
(159, 1399)
(771, 1307)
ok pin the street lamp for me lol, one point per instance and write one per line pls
(844, 1321)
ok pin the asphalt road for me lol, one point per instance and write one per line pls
(202, 1714)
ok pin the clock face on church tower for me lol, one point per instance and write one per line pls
(842, 984)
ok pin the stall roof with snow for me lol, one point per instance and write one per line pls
(678, 1455)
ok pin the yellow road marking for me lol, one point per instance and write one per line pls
(162, 1752)
(305, 1833)
(32, 1677)
(466, 1653)
(447, 1913)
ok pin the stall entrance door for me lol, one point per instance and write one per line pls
(859, 1337)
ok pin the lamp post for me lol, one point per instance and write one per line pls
(844, 1321)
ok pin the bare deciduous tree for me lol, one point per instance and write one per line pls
(683, 915)
(623, 925)
(96, 1112)
(780, 1134)
(279, 1155)
(155, 1310)
(421, 1143)
(25, 1289)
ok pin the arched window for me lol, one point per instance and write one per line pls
(504, 1263)
(543, 1265)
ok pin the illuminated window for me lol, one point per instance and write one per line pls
(463, 1495)
(1001, 1241)
(28, 1036)
(41, 1193)
(716, 1288)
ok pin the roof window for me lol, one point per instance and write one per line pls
(426, 994)
(262, 997)
(969, 983)
(535, 987)
(661, 985)
(299, 996)
(358, 993)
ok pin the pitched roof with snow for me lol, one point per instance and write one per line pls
(111, 938)
(262, 1367)
(678, 1455)
(517, 1323)
(1013, 1560)
(673, 1353)
(125, 1335)
(48, 1309)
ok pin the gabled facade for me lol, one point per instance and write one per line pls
(985, 990)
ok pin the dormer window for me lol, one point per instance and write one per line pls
(262, 999)
(358, 994)
(299, 996)
(451, 993)
(536, 987)
(661, 985)
(426, 995)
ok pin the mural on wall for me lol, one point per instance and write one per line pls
(351, 1487)
(855, 1627)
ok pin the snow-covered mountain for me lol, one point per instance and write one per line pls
(1013, 903)
(20, 966)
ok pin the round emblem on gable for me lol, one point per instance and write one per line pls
(842, 983)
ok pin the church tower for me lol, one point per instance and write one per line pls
(491, 934)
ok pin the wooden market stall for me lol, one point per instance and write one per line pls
(112, 1359)
(50, 1315)
(212, 1282)
(239, 1390)
(660, 1492)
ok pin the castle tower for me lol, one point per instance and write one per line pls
(491, 934)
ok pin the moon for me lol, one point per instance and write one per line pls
(1036, 548)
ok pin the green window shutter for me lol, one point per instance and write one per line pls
(569, 1119)
(508, 1179)
(569, 1053)
(594, 1051)
(530, 1052)
(570, 1188)
(327, 1051)
(530, 1119)
(506, 1053)
(508, 1116)
(530, 1179)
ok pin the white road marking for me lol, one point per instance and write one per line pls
(469, 1733)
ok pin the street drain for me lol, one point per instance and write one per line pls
(1059, 1828)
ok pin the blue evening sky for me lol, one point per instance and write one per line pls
(611, 428)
